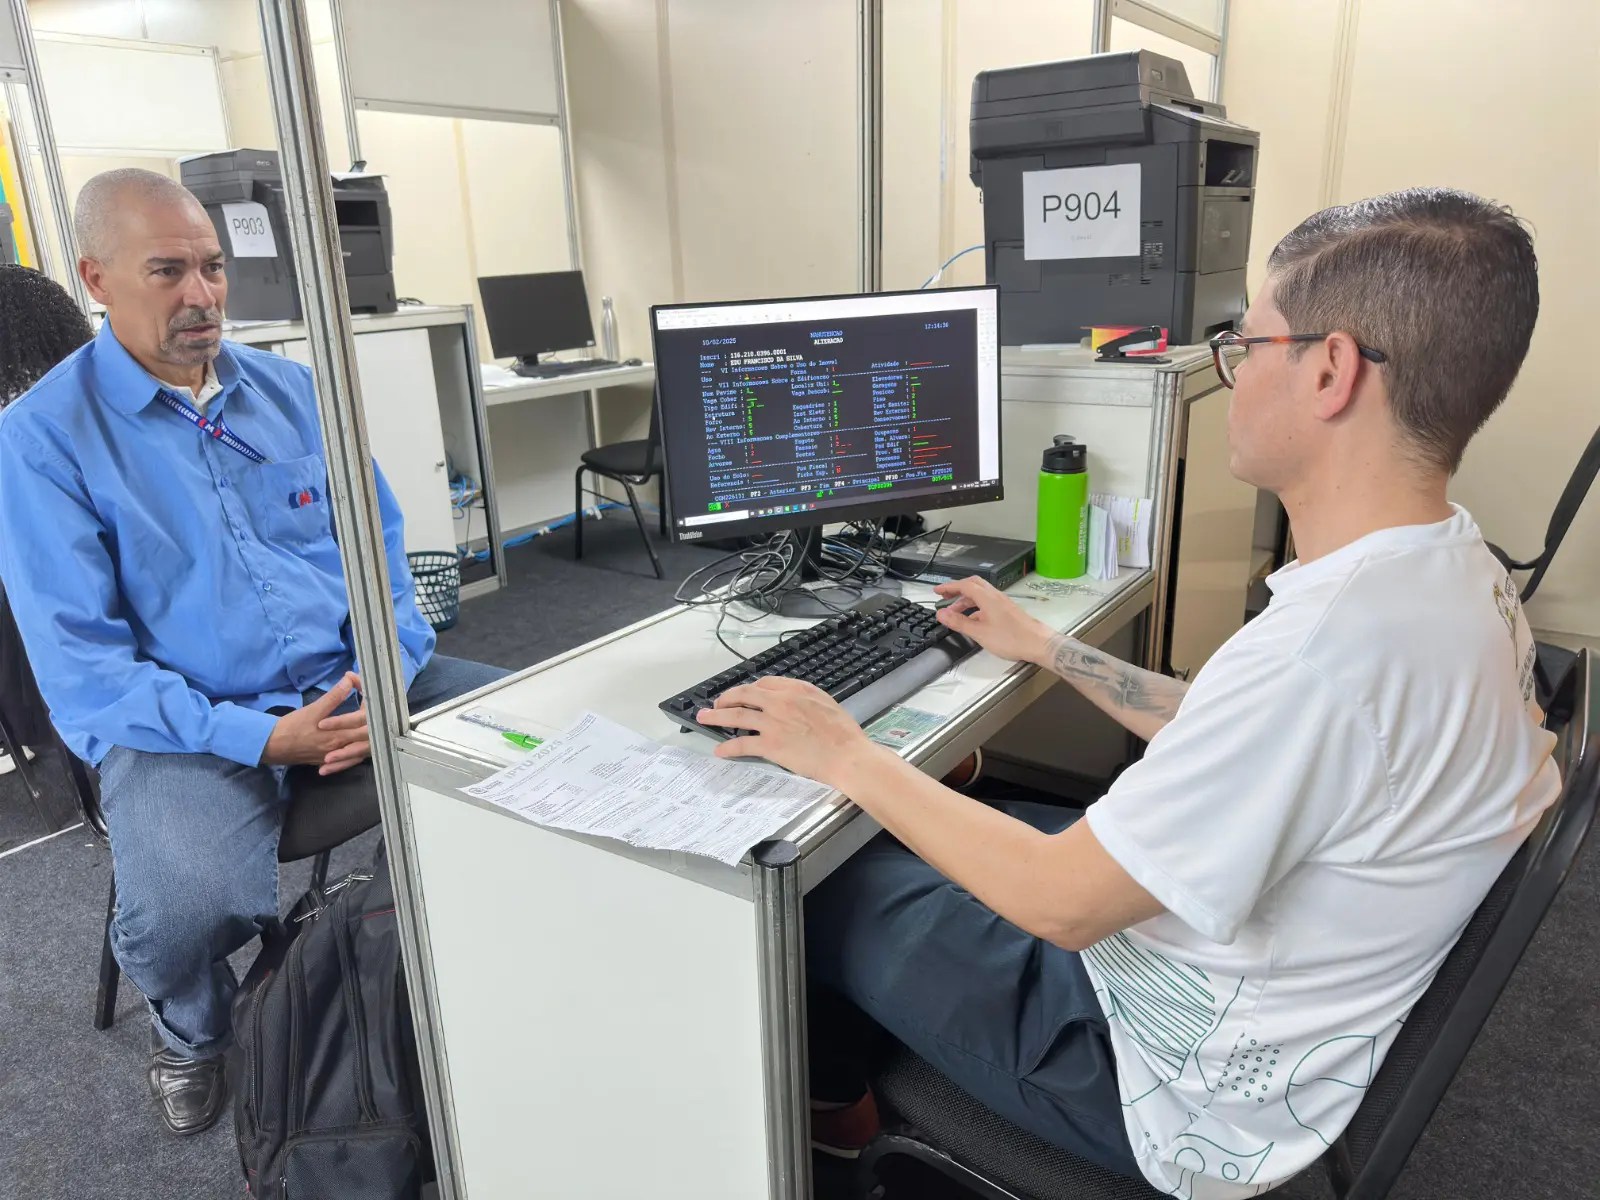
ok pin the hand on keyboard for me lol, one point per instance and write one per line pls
(868, 658)
(795, 725)
(978, 610)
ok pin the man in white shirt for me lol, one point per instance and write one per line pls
(1196, 983)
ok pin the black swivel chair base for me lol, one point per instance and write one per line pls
(324, 812)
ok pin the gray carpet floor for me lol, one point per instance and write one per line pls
(76, 1122)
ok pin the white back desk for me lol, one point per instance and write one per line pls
(539, 427)
(618, 1022)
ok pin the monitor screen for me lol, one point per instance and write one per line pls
(529, 315)
(782, 413)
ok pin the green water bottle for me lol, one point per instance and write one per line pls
(1062, 543)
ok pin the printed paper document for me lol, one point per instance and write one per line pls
(602, 778)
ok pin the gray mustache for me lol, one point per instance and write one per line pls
(194, 317)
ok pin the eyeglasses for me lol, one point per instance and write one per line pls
(1229, 349)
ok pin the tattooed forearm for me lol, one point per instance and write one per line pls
(1141, 700)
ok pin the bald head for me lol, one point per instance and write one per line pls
(149, 253)
(111, 196)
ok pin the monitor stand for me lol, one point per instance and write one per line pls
(799, 601)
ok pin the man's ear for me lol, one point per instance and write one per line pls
(93, 273)
(1338, 366)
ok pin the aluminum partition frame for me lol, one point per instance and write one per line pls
(55, 182)
(44, 257)
(1148, 14)
(869, 113)
(314, 235)
(1100, 30)
(1174, 396)
(1219, 61)
(558, 47)
(480, 423)
(352, 133)
(781, 968)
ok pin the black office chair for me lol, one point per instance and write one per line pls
(630, 464)
(938, 1125)
(24, 720)
(324, 812)
(1553, 661)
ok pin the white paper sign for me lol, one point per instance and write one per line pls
(1081, 212)
(249, 230)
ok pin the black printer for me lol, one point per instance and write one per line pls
(242, 191)
(1067, 248)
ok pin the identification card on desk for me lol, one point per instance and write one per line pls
(902, 725)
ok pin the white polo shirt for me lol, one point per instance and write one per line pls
(1343, 782)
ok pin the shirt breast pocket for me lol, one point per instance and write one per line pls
(289, 501)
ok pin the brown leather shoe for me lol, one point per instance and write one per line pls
(191, 1092)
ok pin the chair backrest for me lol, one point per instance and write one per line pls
(1368, 1157)
(1561, 518)
(26, 714)
(657, 456)
(16, 677)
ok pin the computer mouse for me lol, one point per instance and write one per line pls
(634, 362)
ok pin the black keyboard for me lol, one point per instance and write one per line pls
(868, 658)
(554, 370)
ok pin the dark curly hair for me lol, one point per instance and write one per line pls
(39, 326)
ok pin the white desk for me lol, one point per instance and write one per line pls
(564, 385)
(618, 1022)
(537, 439)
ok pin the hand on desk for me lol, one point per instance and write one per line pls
(992, 619)
(796, 725)
(314, 736)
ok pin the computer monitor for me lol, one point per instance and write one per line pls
(782, 414)
(530, 315)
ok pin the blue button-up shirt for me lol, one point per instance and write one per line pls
(169, 590)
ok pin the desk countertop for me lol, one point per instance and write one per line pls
(624, 675)
(407, 316)
(564, 385)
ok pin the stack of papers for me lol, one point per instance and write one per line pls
(494, 375)
(603, 779)
(1130, 522)
(1102, 545)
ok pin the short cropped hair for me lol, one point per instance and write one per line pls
(1445, 283)
(40, 324)
(94, 216)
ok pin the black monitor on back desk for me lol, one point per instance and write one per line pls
(530, 315)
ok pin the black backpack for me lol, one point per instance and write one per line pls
(328, 1093)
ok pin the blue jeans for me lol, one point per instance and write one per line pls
(1009, 1018)
(194, 844)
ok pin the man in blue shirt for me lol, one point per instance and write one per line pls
(166, 543)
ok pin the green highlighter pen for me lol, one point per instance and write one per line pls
(525, 741)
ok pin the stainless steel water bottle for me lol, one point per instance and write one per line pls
(608, 329)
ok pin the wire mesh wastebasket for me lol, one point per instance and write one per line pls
(437, 575)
